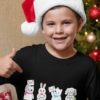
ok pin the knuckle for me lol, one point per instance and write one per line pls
(6, 72)
(7, 76)
(10, 62)
(9, 66)
(3, 74)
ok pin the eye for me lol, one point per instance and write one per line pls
(67, 22)
(50, 24)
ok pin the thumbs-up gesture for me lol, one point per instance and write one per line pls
(8, 66)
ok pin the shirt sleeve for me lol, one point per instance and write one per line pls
(93, 83)
(3, 80)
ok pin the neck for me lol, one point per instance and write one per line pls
(63, 54)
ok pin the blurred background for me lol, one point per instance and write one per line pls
(11, 17)
(88, 41)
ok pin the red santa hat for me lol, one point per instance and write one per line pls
(35, 9)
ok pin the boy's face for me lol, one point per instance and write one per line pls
(60, 26)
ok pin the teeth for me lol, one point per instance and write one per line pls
(60, 38)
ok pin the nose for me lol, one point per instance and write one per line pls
(59, 29)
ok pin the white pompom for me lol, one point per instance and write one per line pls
(29, 29)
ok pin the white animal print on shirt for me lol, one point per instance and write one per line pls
(29, 89)
(70, 94)
(55, 93)
(41, 92)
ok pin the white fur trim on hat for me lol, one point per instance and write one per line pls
(42, 6)
(29, 29)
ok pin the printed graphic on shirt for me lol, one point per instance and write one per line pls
(55, 93)
(70, 94)
(42, 92)
(29, 89)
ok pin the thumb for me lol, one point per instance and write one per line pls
(12, 53)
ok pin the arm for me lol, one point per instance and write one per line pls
(8, 92)
(93, 84)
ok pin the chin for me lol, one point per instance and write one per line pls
(60, 48)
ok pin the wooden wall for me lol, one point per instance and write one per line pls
(11, 17)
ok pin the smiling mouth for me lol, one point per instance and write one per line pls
(61, 38)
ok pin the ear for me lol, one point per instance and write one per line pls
(66, 92)
(44, 85)
(33, 82)
(61, 90)
(75, 92)
(41, 85)
(52, 88)
(80, 25)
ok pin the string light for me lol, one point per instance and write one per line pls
(86, 33)
(97, 20)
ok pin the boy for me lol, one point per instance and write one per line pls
(57, 69)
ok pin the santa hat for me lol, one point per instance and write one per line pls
(35, 9)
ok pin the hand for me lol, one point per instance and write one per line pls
(8, 66)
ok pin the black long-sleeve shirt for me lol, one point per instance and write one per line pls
(74, 77)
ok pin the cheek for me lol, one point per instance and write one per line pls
(71, 34)
(71, 30)
(48, 31)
